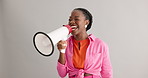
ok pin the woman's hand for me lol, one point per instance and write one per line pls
(61, 45)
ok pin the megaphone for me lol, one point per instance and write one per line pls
(44, 43)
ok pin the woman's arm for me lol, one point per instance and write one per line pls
(62, 58)
(62, 66)
(106, 71)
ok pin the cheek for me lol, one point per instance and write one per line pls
(79, 23)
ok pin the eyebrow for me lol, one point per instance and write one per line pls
(75, 16)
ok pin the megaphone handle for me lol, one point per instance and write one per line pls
(62, 50)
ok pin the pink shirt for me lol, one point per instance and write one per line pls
(97, 61)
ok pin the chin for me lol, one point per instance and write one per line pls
(74, 33)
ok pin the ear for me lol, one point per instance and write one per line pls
(87, 22)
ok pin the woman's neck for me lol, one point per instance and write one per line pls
(81, 36)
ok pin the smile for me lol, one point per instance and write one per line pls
(74, 28)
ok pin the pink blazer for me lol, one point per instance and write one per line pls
(97, 61)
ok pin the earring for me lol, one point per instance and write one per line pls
(85, 26)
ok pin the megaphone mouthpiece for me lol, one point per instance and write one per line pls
(69, 28)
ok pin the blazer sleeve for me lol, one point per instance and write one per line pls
(62, 69)
(106, 71)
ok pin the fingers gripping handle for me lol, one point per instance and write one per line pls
(63, 50)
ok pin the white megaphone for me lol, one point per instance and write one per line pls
(44, 43)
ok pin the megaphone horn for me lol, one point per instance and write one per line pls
(44, 43)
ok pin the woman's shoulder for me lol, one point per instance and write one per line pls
(97, 40)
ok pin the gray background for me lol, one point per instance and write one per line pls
(122, 24)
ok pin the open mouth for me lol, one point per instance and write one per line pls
(74, 28)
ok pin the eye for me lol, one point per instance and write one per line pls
(76, 19)
(69, 19)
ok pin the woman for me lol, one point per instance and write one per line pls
(86, 56)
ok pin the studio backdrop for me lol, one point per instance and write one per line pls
(122, 24)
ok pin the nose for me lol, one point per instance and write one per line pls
(71, 22)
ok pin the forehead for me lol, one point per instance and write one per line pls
(77, 13)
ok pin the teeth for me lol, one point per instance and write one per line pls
(74, 27)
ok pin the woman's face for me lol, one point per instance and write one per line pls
(77, 21)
